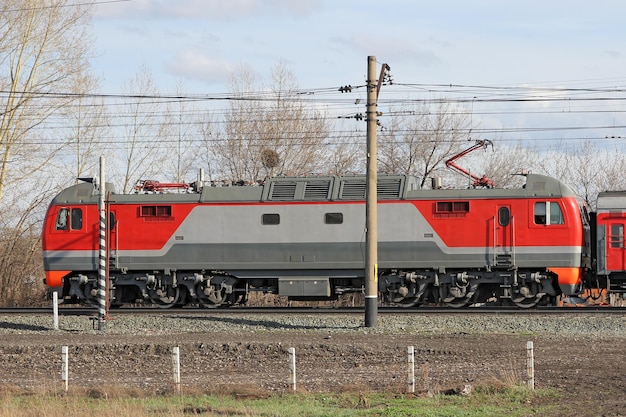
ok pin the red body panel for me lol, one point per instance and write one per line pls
(476, 227)
(472, 229)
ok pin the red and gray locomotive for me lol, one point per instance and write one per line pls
(304, 238)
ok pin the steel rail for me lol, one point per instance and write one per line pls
(93, 311)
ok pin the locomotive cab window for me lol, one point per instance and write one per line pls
(333, 218)
(69, 219)
(548, 212)
(270, 219)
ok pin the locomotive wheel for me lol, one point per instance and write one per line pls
(457, 302)
(206, 303)
(411, 302)
(214, 298)
(529, 302)
(528, 296)
(418, 299)
(454, 296)
(171, 299)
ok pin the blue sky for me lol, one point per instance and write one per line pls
(533, 44)
(326, 43)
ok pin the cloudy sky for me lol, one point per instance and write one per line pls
(569, 44)
(326, 42)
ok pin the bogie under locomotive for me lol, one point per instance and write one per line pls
(304, 238)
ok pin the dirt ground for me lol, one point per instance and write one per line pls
(589, 373)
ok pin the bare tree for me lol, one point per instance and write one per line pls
(141, 154)
(420, 140)
(43, 52)
(180, 131)
(344, 157)
(578, 165)
(235, 150)
(210, 136)
(270, 131)
(87, 126)
(294, 131)
(41, 49)
(502, 163)
(611, 171)
(20, 255)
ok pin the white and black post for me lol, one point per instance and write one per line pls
(102, 253)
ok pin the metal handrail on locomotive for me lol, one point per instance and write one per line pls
(303, 238)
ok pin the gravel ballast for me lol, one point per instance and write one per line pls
(582, 356)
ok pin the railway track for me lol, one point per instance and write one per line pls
(90, 311)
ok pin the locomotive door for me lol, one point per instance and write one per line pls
(615, 251)
(503, 236)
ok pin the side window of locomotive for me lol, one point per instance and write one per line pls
(333, 218)
(63, 219)
(548, 213)
(556, 215)
(617, 235)
(77, 219)
(270, 219)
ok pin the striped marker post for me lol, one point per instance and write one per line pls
(102, 313)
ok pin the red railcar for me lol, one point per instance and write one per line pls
(610, 247)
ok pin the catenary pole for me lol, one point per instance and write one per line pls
(371, 203)
(102, 302)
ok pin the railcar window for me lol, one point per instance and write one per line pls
(617, 235)
(63, 219)
(333, 218)
(270, 219)
(504, 216)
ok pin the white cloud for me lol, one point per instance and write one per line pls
(195, 65)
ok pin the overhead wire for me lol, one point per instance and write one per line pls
(332, 106)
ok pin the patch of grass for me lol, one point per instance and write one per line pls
(485, 400)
